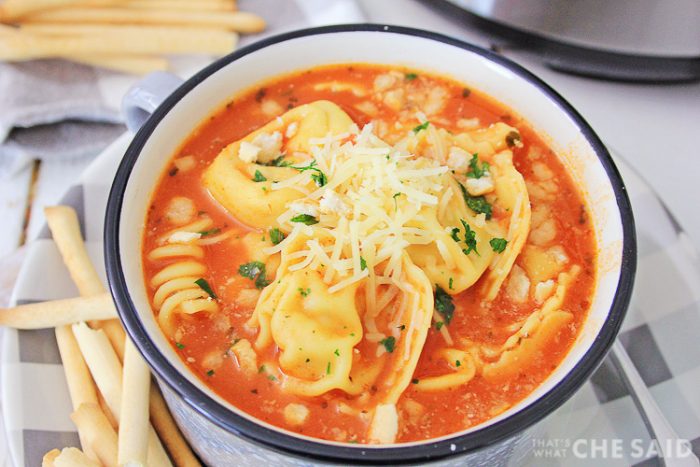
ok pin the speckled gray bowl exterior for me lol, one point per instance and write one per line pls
(224, 435)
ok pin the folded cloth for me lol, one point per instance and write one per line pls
(56, 108)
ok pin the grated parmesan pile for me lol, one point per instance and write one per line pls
(373, 191)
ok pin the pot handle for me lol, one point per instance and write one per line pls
(144, 97)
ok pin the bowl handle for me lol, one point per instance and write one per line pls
(142, 99)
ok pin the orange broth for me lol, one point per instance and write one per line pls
(446, 411)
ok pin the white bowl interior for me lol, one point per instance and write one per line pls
(475, 71)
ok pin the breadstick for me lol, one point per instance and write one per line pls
(122, 63)
(14, 9)
(27, 47)
(65, 229)
(73, 457)
(201, 5)
(49, 457)
(80, 385)
(133, 426)
(94, 427)
(56, 313)
(107, 373)
(168, 431)
(232, 20)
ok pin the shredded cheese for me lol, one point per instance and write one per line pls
(363, 211)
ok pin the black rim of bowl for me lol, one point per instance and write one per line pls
(291, 445)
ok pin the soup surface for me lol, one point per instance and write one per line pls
(368, 254)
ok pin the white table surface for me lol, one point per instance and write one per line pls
(654, 127)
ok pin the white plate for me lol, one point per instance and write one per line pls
(660, 333)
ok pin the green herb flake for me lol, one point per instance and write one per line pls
(276, 235)
(271, 377)
(443, 304)
(455, 234)
(278, 162)
(306, 219)
(410, 76)
(466, 92)
(304, 292)
(396, 195)
(422, 126)
(402, 327)
(415, 381)
(328, 368)
(235, 341)
(337, 352)
(498, 244)
(319, 177)
(261, 369)
(179, 345)
(478, 204)
(458, 363)
(255, 270)
(363, 264)
(210, 373)
(204, 285)
(469, 239)
(476, 171)
(389, 343)
(207, 233)
(450, 284)
(439, 325)
(259, 177)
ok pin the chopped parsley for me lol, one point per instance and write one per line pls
(278, 162)
(466, 92)
(271, 377)
(363, 264)
(498, 244)
(276, 235)
(422, 126)
(402, 327)
(450, 283)
(210, 373)
(439, 325)
(455, 234)
(476, 171)
(415, 381)
(443, 304)
(396, 195)
(204, 285)
(306, 219)
(337, 352)
(328, 368)
(478, 204)
(469, 239)
(319, 177)
(179, 345)
(458, 363)
(261, 369)
(255, 270)
(259, 177)
(304, 292)
(206, 233)
(389, 343)
(410, 76)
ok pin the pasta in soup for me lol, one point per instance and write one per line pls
(369, 254)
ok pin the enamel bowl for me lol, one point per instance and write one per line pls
(223, 434)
